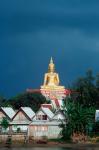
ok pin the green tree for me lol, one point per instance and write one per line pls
(97, 81)
(87, 91)
(33, 100)
(97, 88)
(2, 101)
(66, 126)
(4, 123)
(77, 118)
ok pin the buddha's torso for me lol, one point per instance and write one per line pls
(52, 79)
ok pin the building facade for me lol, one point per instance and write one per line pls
(43, 123)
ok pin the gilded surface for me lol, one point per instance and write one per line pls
(51, 79)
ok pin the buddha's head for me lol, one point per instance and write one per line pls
(51, 67)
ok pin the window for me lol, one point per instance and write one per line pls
(41, 117)
(44, 117)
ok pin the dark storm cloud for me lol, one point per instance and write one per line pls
(33, 31)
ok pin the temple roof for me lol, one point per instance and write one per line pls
(8, 111)
(28, 111)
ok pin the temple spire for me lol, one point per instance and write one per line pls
(51, 60)
(51, 67)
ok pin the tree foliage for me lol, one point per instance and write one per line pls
(33, 100)
(5, 123)
(88, 89)
(78, 118)
(2, 100)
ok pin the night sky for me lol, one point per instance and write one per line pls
(31, 31)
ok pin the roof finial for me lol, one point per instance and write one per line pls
(51, 67)
(51, 61)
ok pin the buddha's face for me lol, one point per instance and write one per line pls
(51, 68)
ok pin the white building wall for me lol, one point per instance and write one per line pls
(97, 115)
(22, 127)
(53, 132)
(39, 131)
(20, 117)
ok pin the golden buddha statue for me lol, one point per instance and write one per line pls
(51, 79)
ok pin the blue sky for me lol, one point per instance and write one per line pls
(31, 31)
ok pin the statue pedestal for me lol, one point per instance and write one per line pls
(56, 95)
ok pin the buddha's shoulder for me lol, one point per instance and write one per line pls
(49, 74)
